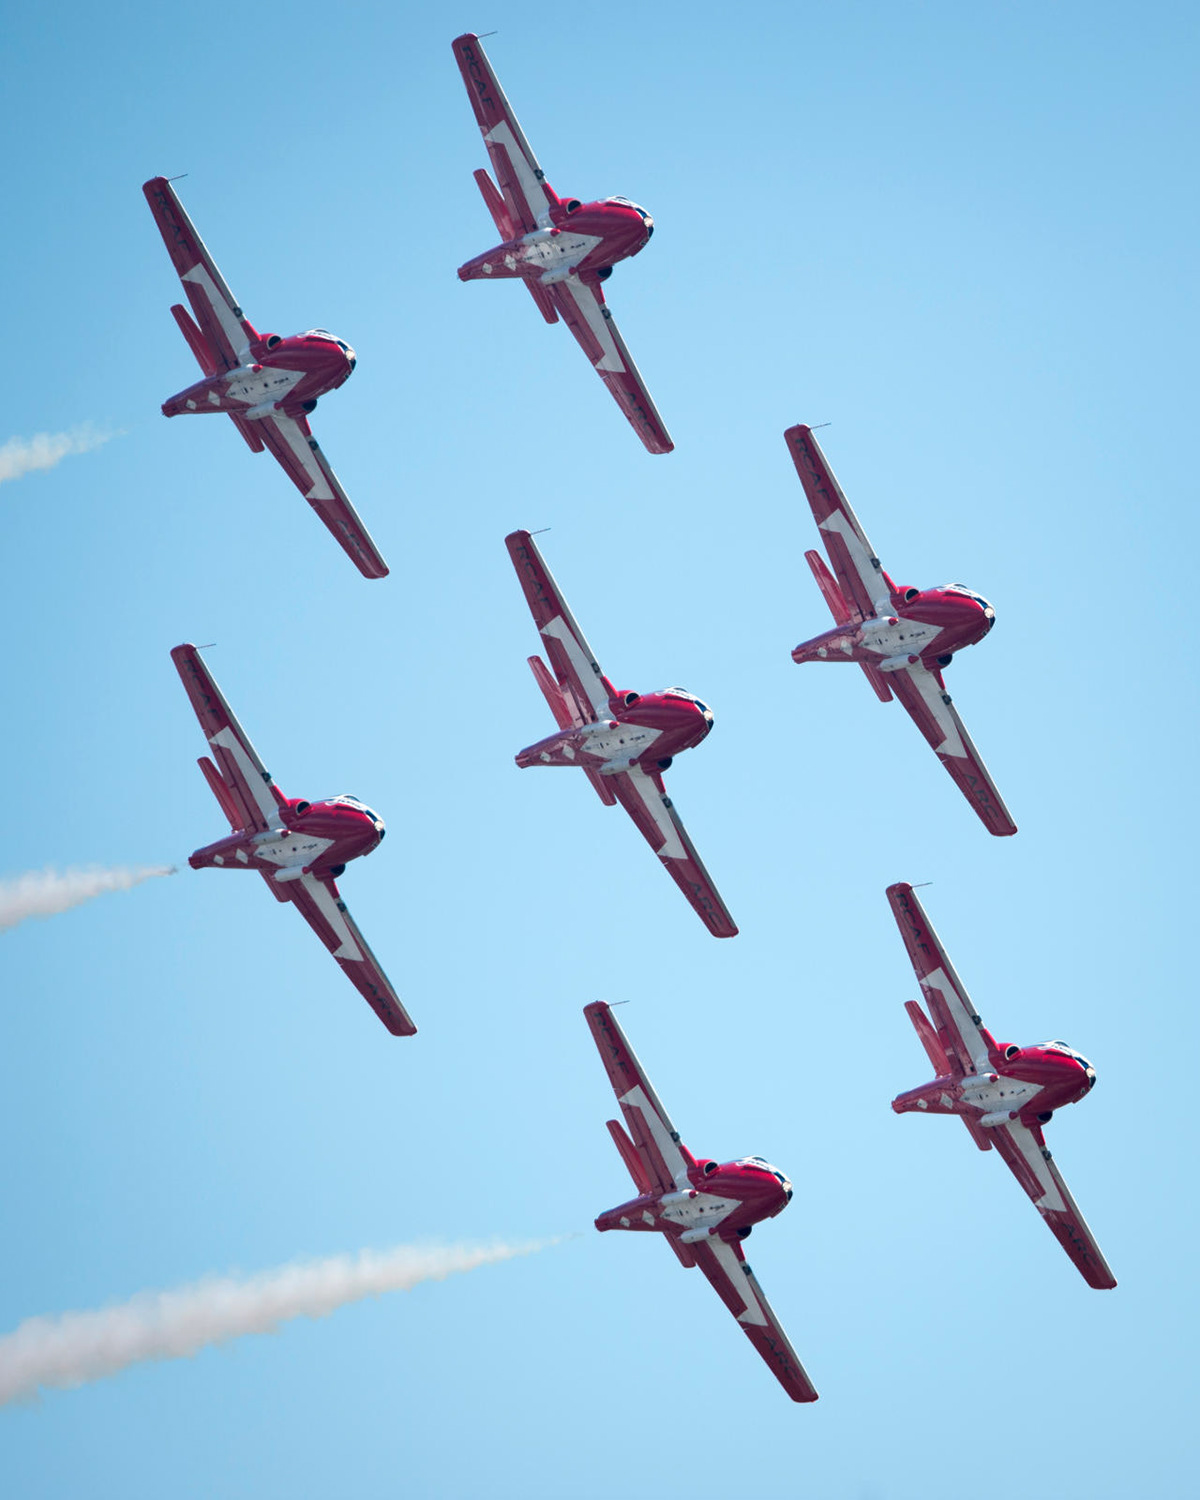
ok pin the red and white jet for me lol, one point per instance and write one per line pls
(561, 248)
(267, 384)
(622, 741)
(1002, 1094)
(704, 1208)
(299, 848)
(902, 638)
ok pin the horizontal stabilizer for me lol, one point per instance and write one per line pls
(934, 1050)
(603, 790)
(553, 694)
(836, 600)
(221, 792)
(496, 206)
(542, 298)
(875, 678)
(686, 1258)
(630, 1157)
(196, 341)
(248, 431)
(979, 1134)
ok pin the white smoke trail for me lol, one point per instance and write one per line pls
(44, 893)
(75, 1347)
(45, 449)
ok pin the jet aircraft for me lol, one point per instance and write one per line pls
(903, 638)
(299, 848)
(704, 1208)
(622, 741)
(1004, 1094)
(267, 384)
(561, 248)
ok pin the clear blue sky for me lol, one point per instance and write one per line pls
(963, 235)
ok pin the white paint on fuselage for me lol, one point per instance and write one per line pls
(905, 637)
(621, 746)
(264, 386)
(289, 850)
(704, 1211)
(556, 253)
(1005, 1093)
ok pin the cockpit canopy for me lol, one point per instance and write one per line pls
(629, 203)
(1065, 1051)
(763, 1165)
(676, 692)
(325, 336)
(346, 800)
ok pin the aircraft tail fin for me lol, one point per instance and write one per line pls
(629, 1156)
(220, 791)
(496, 205)
(196, 341)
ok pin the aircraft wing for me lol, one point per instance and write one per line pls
(527, 195)
(737, 1286)
(581, 306)
(665, 1159)
(573, 660)
(290, 439)
(220, 318)
(251, 791)
(645, 799)
(1033, 1167)
(932, 710)
(958, 1026)
(858, 570)
(325, 912)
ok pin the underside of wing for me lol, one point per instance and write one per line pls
(221, 320)
(665, 1159)
(247, 783)
(858, 570)
(325, 912)
(573, 660)
(736, 1285)
(644, 798)
(292, 443)
(527, 195)
(932, 710)
(581, 306)
(959, 1029)
(1033, 1167)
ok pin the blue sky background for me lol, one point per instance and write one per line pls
(962, 235)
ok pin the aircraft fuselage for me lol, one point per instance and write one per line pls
(1025, 1083)
(281, 374)
(927, 626)
(723, 1199)
(580, 239)
(646, 729)
(313, 838)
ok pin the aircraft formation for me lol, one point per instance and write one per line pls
(624, 740)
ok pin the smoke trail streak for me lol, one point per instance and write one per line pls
(76, 1347)
(22, 455)
(44, 893)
